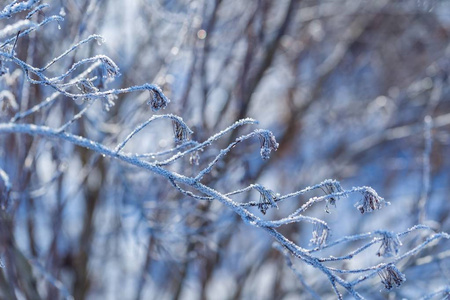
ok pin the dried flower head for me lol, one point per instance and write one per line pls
(389, 245)
(268, 142)
(370, 201)
(320, 234)
(157, 99)
(86, 87)
(110, 69)
(391, 277)
(180, 130)
(331, 187)
(267, 199)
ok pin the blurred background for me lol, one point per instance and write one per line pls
(355, 91)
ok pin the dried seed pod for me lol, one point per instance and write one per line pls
(111, 70)
(391, 277)
(86, 87)
(390, 244)
(157, 99)
(331, 187)
(268, 142)
(267, 198)
(370, 201)
(180, 130)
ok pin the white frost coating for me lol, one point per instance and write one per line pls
(210, 140)
(389, 242)
(49, 100)
(301, 253)
(15, 8)
(37, 9)
(221, 154)
(53, 82)
(33, 28)
(174, 118)
(89, 144)
(75, 46)
(16, 27)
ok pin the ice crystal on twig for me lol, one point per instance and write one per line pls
(320, 234)
(370, 201)
(267, 199)
(268, 142)
(391, 277)
(389, 245)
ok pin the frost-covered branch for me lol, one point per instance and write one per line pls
(17, 7)
(79, 83)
